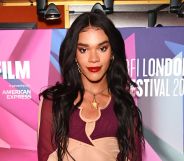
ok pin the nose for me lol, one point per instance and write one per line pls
(94, 57)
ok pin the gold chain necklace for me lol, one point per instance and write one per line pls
(94, 103)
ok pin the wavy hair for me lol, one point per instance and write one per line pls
(130, 133)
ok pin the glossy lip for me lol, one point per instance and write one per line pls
(94, 69)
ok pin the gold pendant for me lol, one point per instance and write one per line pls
(95, 104)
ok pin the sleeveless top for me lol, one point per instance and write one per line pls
(92, 140)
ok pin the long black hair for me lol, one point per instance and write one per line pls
(129, 134)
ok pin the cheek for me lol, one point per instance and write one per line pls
(107, 60)
(81, 60)
(108, 63)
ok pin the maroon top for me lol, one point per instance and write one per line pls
(106, 126)
(45, 143)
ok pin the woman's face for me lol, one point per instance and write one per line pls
(93, 54)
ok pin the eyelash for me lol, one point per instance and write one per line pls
(102, 48)
(82, 50)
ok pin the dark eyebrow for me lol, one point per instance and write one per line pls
(86, 45)
(81, 44)
(104, 42)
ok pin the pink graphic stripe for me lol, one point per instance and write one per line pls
(35, 46)
(8, 41)
(17, 155)
(131, 52)
(16, 133)
(57, 76)
(150, 154)
(4, 144)
(25, 110)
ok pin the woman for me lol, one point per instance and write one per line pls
(91, 115)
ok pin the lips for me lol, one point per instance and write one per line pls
(94, 69)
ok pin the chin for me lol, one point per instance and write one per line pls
(94, 77)
(95, 80)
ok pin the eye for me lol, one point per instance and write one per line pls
(82, 50)
(103, 49)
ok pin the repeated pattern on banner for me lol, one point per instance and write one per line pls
(29, 63)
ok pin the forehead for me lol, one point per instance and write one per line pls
(90, 34)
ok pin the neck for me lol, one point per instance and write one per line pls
(95, 87)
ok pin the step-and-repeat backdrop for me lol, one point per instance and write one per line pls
(29, 63)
